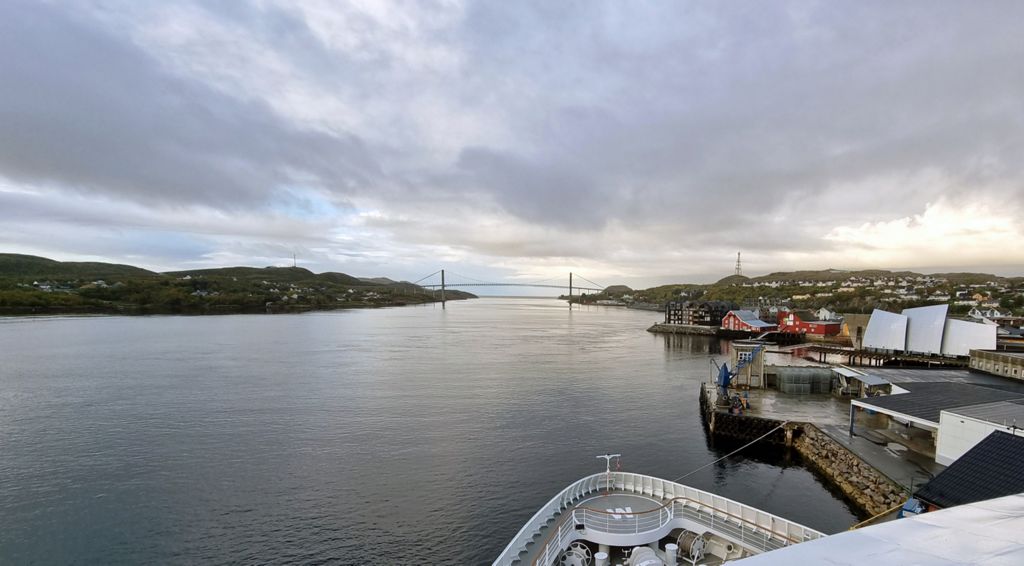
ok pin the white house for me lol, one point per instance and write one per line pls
(825, 313)
(984, 312)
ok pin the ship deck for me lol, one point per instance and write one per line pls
(624, 510)
(629, 503)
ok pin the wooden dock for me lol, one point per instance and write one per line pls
(862, 357)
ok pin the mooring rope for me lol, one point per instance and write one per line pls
(882, 514)
(732, 453)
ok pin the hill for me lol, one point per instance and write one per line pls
(274, 274)
(35, 267)
(30, 284)
(831, 275)
(818, 288)
(617, 291)
(733, 280)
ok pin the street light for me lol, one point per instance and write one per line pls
(608, 470)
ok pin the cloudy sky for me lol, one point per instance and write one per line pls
(635, 142)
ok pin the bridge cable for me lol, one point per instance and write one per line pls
(470, 278)
(589, 281)
(427, 277)
(733, 452)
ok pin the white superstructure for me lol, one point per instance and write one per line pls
(988, 532)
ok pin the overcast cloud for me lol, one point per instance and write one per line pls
(632, 142)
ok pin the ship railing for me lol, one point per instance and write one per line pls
(622, 523)
(749, 526)
(548, 513)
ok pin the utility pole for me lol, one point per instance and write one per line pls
(570, 290)
(442, 288)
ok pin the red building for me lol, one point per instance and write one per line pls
(746, 321)
(803, 322)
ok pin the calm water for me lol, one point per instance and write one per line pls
(370, 437)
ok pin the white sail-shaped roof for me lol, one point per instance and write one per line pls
(961, 337)
(886, 331)
(925, 326)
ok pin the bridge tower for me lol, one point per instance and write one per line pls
(570, 290)
(442, 288)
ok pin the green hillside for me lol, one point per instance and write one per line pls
(277, 274)
(30, 266)
(822, 286)
(30, 284)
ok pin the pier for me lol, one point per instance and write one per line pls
(694, 329)
(855, 357)
(873, 478)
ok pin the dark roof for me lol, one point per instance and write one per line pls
(805, 315)
(1000, 413)
(926, 399)
(901, 376)
(991, 469)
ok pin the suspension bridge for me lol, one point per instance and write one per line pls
(438, 282)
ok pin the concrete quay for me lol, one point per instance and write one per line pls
(874, 472)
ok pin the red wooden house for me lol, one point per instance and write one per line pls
(804, 322)
(746, 321)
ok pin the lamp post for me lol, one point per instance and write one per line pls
(608, 470)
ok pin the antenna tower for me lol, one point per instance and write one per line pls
(739, 267)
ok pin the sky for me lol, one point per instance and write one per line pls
(630, 142)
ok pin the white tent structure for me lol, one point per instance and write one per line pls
(960, 337)
(925, 326)
(886, 331)
(927, 331)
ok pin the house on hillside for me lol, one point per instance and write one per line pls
(770, 314)
(979, 313)
(825, 313)
(746, 321)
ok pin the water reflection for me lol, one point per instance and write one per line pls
(328, 436)
(693, 344)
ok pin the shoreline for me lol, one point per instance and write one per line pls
(135, 310)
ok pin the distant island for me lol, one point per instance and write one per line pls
(37, 285)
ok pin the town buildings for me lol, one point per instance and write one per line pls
(1006, 364)
(697, 313)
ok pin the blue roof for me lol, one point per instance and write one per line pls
(758, 323)
(751, 319)
(868, 379)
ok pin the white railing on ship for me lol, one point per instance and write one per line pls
(751, 527)
(565, 498)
